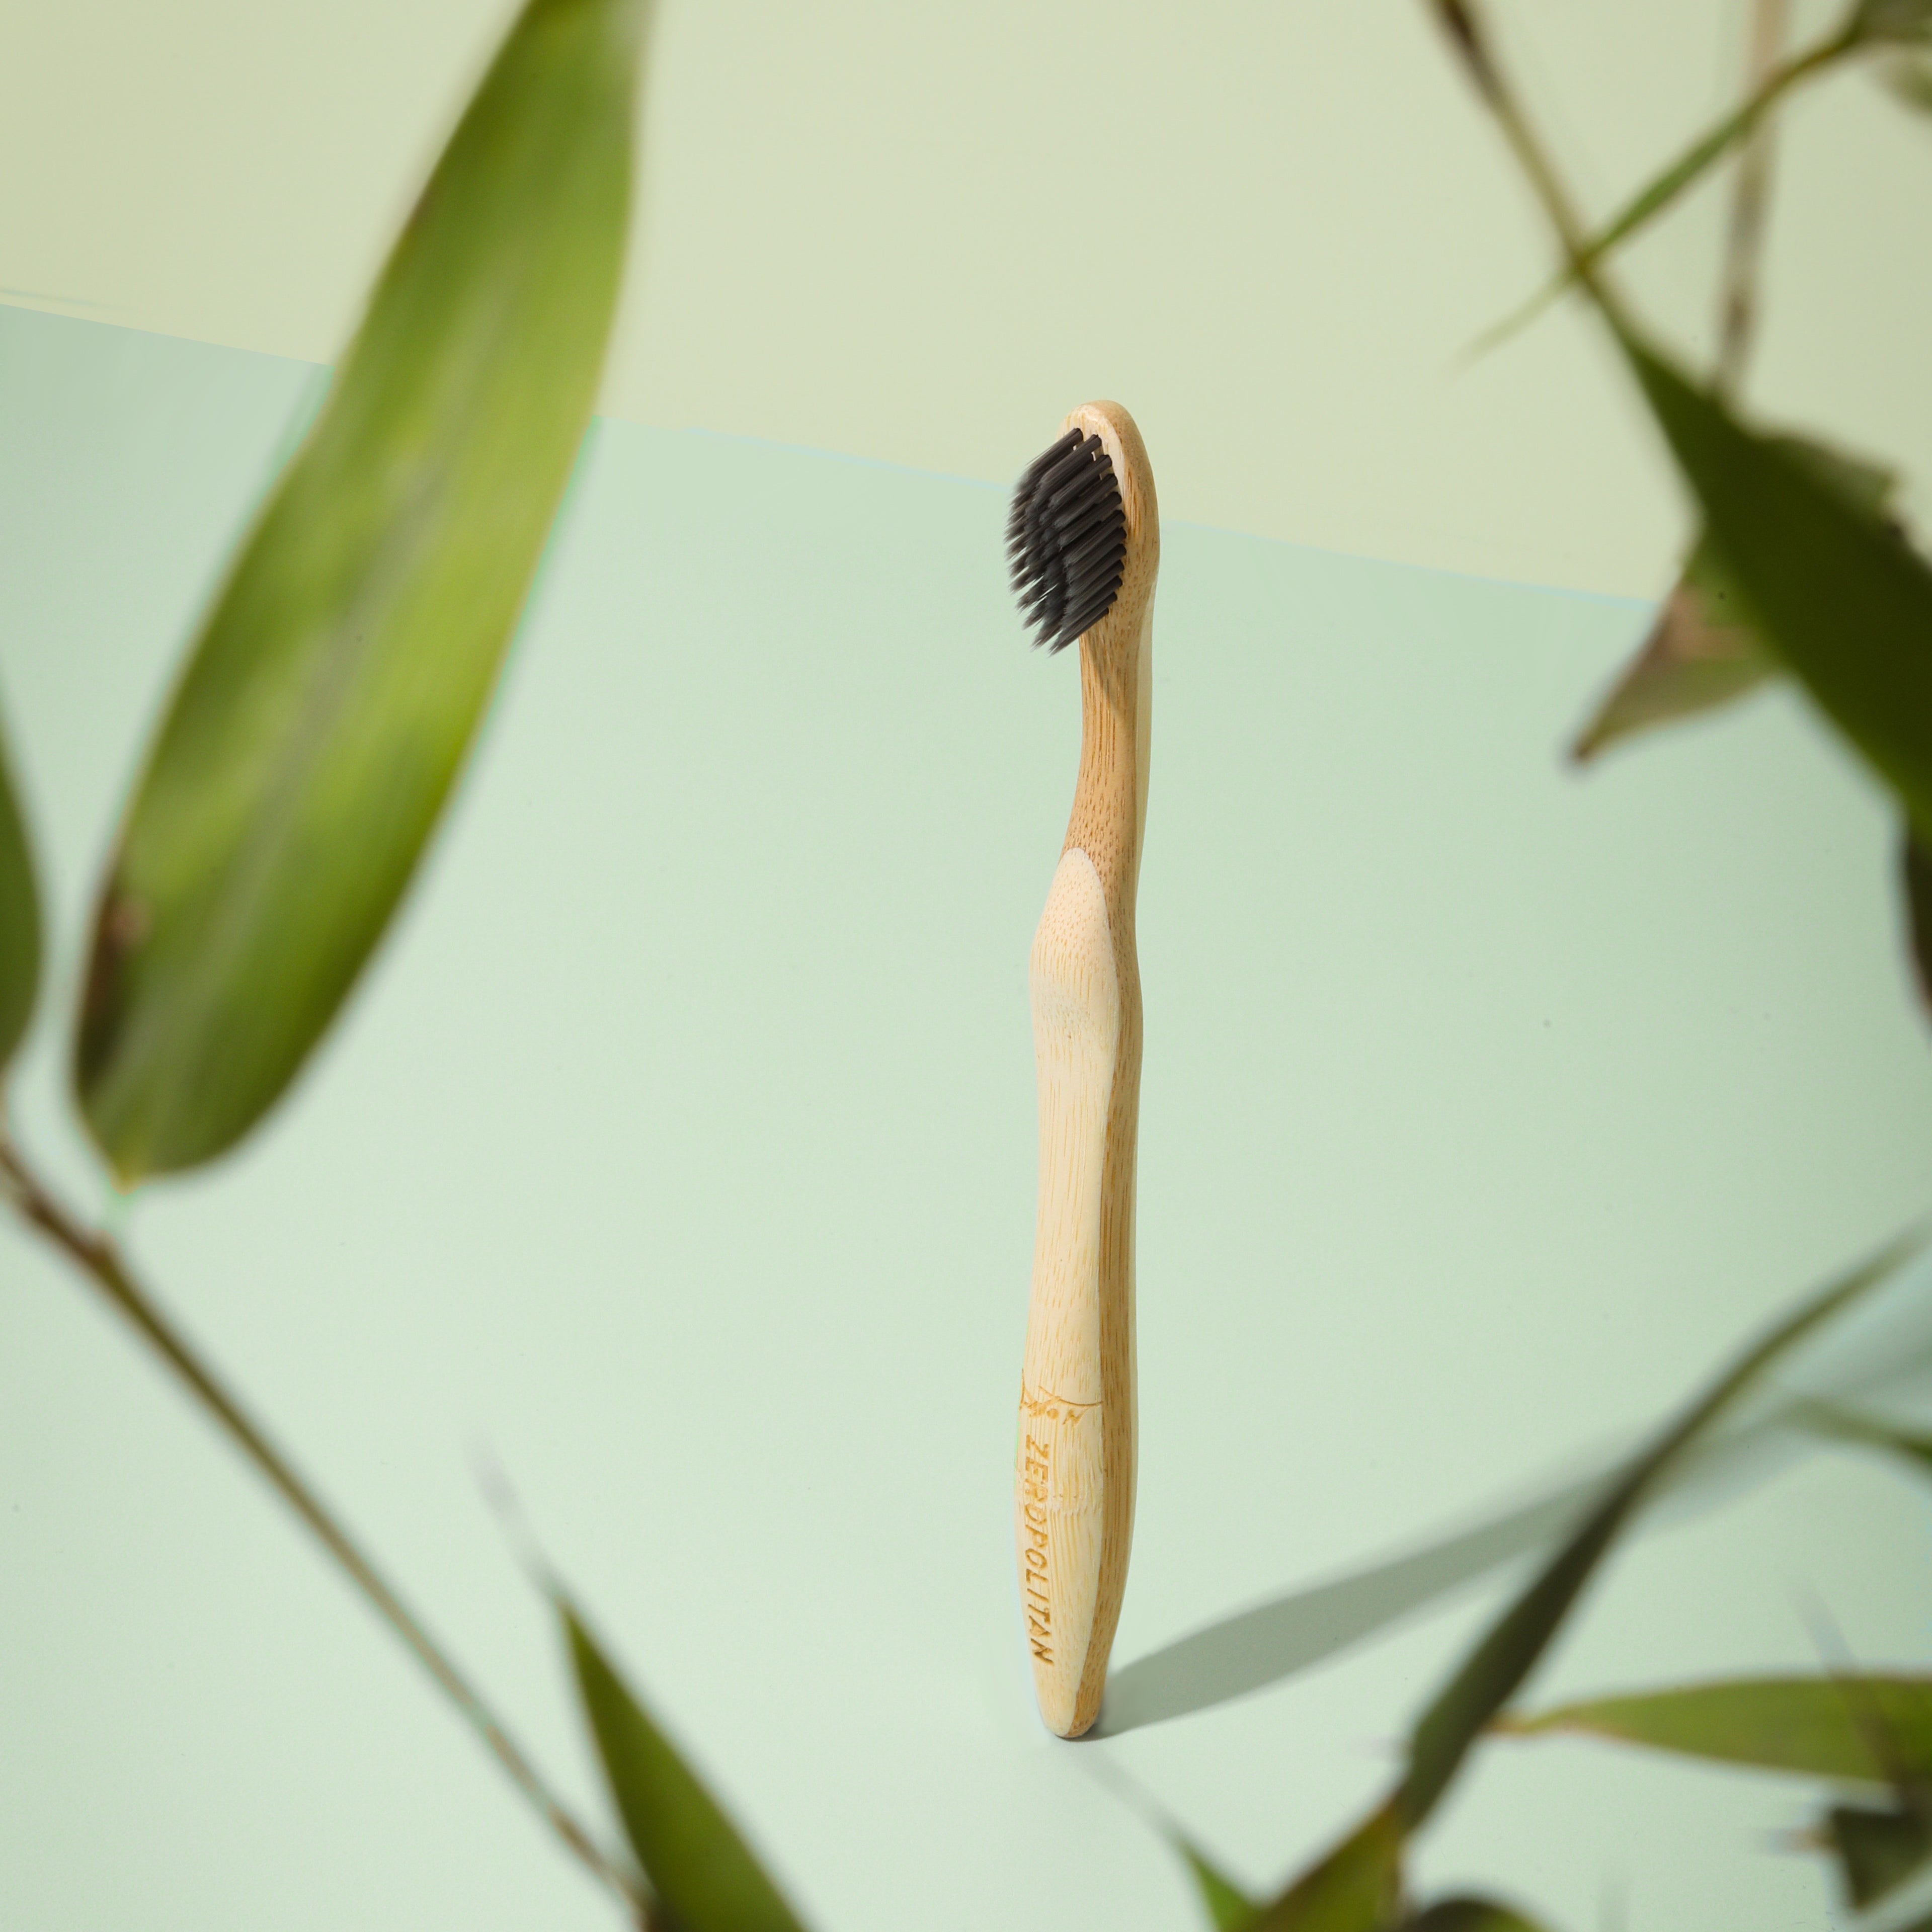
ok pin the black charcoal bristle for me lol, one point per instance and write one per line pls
(1066, 540)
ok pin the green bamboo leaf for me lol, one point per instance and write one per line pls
(1877, 1851)
(1499, 1664)
(1833, 587)
(20, 919)
(1228, 1908)
(1866, 1728)
(1896, 20)
(1705, 649)
(1657, 193)
(1356, 1887)
(1702, 652)
(340, 675)
(1908, 79)
(698, 1864)
(1470, 1914)
(1914, 1447)
(1914, 871)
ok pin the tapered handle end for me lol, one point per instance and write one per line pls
(1059, 1516)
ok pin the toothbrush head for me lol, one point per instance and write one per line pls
(1066, 539)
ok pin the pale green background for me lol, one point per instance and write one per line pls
(919, 232)
(680, 1149)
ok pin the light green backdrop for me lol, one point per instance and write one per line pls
(679, 1150)
(1270, 226)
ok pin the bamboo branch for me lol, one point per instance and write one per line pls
(1744, 245)
(100, 1259)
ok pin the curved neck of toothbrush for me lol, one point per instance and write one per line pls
(1084, 541)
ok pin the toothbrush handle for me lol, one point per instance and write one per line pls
(1074, 1473)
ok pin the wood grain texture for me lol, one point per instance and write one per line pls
(1074, 1488)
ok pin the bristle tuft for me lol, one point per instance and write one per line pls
(1066, 540)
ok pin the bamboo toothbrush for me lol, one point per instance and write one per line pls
(1085, 544)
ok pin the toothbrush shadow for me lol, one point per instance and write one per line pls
(1256, 1648)
(1885, 1357)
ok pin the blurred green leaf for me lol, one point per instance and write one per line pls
(1860, 481)
(698, 1866)
(1357, 1888)
(1863, 1728)
(1892, 19)
(1663, 188)
(1827, 1420)
(1877, 1851)
(1700, 653)
(1915, 868)
(1704, 649)
(1470, 1914)
(1499, 1664)
(1909, 80)
(1229, 1909)
(1833, 587)
(20, 919)
(339, 678)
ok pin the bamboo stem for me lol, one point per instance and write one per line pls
(100, 1259)
(1744, 243)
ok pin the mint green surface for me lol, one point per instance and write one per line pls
(679, 1149)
